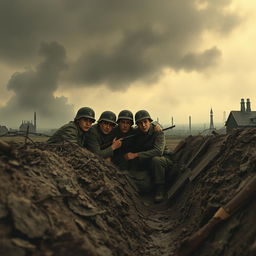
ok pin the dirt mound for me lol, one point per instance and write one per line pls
(64, 200)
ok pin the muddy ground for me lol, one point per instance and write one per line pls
(64, 200)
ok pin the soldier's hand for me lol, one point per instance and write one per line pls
(158, 128)
(116, 143)
(130, 156)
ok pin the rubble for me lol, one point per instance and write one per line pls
(64, 200)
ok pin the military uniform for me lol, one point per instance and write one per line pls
(69, 132)
(96, 141)
(153, 159)
(127, 146)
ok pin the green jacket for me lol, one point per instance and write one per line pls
(127, 145)
(150, 144)
(96, 139)
(69, 132)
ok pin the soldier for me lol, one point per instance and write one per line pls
(150, 159)
(75, 131)
(100, 134)
(124, 128)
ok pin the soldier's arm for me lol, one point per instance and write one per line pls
(70, 134)
(157, 148)
(65, 133)
(93, 144)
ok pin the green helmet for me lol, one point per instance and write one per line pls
(142, 114)
(125, 114)
(85, 112)
(108, 116)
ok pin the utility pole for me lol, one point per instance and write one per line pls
(224, 117)
(189, 125)
(211, 121)
(34, 120)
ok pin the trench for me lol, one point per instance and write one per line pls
(64, 200)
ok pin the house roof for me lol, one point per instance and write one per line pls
(243, 118)
(25, 125)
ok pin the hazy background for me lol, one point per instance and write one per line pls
(174, 58)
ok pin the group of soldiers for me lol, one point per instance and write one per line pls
(141, 151)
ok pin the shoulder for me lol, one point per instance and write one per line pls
(69, 126)
(115, 132)
(94, 130)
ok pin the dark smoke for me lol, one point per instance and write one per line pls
(34, 91)
(116, 42)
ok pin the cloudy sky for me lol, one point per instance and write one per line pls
(175, 58)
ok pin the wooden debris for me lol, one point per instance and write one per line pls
(190, 245)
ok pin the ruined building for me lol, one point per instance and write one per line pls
(245, 118)
(28, 125)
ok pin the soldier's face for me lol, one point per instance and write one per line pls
(85, 124)
(106, 127)
(124, 125)
(144, 125)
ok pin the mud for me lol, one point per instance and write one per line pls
(64, 200)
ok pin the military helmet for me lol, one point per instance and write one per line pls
(108, 116)
(125, 114)
(142, 114)
(85, 112)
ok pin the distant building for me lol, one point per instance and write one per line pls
(28, 125)
(245, 118)
(211, 121)
(211, 128)
(3, 130)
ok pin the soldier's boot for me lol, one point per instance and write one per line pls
(159, 195)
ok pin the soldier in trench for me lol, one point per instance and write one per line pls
(101, 133)
(123, 129)
(75, 131)
(107, 133)
(150, 157)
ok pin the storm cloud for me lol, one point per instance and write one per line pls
(34, 91)
(114, 43)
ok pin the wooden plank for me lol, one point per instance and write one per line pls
(178, 185)
(199, 152)
(184, 178)
(207, 153)
(210, 155)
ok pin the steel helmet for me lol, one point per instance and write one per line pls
(125, 114)
(108, 116)
(142, 114)
(85, 112)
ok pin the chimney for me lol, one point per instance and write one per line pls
(242, 105)
(248, 105)
(35, 120)
(211, 121)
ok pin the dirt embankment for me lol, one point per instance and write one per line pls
(63, 200)
(229, 169)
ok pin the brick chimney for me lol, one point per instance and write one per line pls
(248, 105)
(242, 105)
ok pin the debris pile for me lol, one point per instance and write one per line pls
(64, 200)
